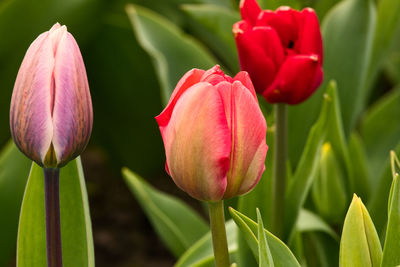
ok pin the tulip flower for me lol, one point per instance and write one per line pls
(51, 116)
(51, 109)
(281, 50)
(214, 138)
(214, 135)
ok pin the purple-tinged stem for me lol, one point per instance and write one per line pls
(53, 227)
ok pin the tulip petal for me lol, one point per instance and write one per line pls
(249, 9)
(254, 60)
(248, 128)
(197, 143)
(72, 114)
(190, 78)
(310, 40)
(244, 78)
(284, 21)
(215, 75)
(298, 77)
(30, 113)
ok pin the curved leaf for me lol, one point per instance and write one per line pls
(201, 254)
(76, 231)
(391, 256)
(14, 170)
(173, 52)
(281, 254)
(348, 31)
(173, 220)
(216, 30)
(309, 222)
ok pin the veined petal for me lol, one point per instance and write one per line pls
(197, 143)
(248, 130)
(30, 112)
(190, 78)
(244, 78)
(72, 113)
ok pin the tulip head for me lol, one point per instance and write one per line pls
(214, 135)
(51, 110)
(281, 50)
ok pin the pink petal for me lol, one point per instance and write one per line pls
(249, 9)
(190, 78)
(72, 114)
(248, 128)
(244, 78)
(197, 143)
(30, 113)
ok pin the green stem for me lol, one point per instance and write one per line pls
(217, 224)
(53, 227)
(279, 176)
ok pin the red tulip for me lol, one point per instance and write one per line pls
(281, 50)
(214, 135)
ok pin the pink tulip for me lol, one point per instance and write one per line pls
(214, 135)
(51, 110)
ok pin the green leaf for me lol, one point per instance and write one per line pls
(348, 31)
(310, 222)
(173, 52)
(328, 191)
(281, 254)
(387, 24)
(264, 253)
(201, 253)
(391, 256)
(173, 220)
(379, 198)
(76, 231)
(384, 114)
(360, 245)
(358, 167)
(299, 186)
(260, 197)
(14, 170)
(216, 30)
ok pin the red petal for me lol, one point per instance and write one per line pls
(310, 40)
(249, 9)
(298, 77)
(254, 60)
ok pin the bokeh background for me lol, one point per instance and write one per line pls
(127, 94)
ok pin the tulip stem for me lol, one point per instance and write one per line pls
(279, 171)
(53, 227)
(217, 224)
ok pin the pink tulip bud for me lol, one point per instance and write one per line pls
(281, 50)
(214, 135)
(51, 110)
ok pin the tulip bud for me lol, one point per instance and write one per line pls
(51, 109)
(214, 135)
(281, 50)
(328, 191)
(359, 245)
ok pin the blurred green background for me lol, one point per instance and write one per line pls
(131, 74)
